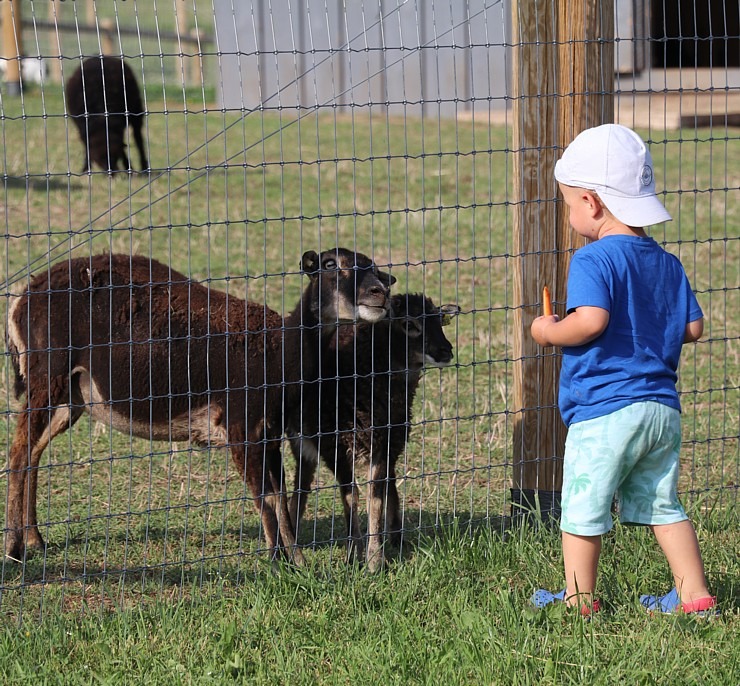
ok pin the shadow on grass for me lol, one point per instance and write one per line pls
(62, 181)
(41, 182)
(419, 527)
(164, 554)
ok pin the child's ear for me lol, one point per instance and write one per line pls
(593, 202)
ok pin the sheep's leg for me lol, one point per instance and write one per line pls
(35, 430)
(124, 158)
(343, 468)
(21, 459)
(393, 524)
(249, 461)
(286, 542)
(306, 457)
(86, 164)
(351, 504)
(140, 146)
(254, 463)
(375, 512)
(64, 417)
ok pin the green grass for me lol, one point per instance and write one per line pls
(455, 612)
(160, 542)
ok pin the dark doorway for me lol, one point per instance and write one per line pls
(695, 33)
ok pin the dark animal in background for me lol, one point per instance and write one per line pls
(370, 374)
(149, 352)
(103, 98)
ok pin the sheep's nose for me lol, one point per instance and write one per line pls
(379, 289)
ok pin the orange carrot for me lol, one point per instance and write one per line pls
(546, 302)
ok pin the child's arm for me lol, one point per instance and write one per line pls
(694, 330)
(579, 327)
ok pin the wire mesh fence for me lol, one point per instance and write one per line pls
(274, 130)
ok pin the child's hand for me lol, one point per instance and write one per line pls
(539, 327)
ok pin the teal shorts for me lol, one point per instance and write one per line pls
(631, 454)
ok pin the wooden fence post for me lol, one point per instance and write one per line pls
(585, 67)
(55, 51)
(12, 47)
(538, 433)
(563, 80)
(107, 31)
(196, 61)
(182, 32)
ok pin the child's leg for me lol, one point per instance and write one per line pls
(581, 558)
(681, 549)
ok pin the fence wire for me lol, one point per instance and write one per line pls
(273, 130)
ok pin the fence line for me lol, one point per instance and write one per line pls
(460, 208)
(109, 33)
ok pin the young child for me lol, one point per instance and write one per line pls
(630, 308)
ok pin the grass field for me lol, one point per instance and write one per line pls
(158, 542)
(455, 613)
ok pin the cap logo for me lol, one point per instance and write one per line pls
(646, 175)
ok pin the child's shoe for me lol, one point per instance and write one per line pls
(670, 603)
(542, 598)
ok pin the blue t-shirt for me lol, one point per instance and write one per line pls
(650, 302)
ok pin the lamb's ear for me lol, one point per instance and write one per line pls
(448, 312)
(386, 279)
(310, 261)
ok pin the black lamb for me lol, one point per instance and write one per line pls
(103, 98)
(370, 374)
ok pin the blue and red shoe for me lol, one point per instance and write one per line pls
(542, 598)
(670, 603)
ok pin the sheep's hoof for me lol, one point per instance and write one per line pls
(375, 565)
(282, 556)
(297, 557)
(375, 561)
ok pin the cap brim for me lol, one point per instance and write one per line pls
(642, 211)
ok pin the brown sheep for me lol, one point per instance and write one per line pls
(370, 374)
(103, 98)
(149, 352)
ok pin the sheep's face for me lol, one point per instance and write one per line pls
(421, 322)
(347, 287)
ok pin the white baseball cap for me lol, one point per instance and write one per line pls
(614, 162)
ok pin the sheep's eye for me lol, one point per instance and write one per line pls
(413, 327)
(330, 264)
